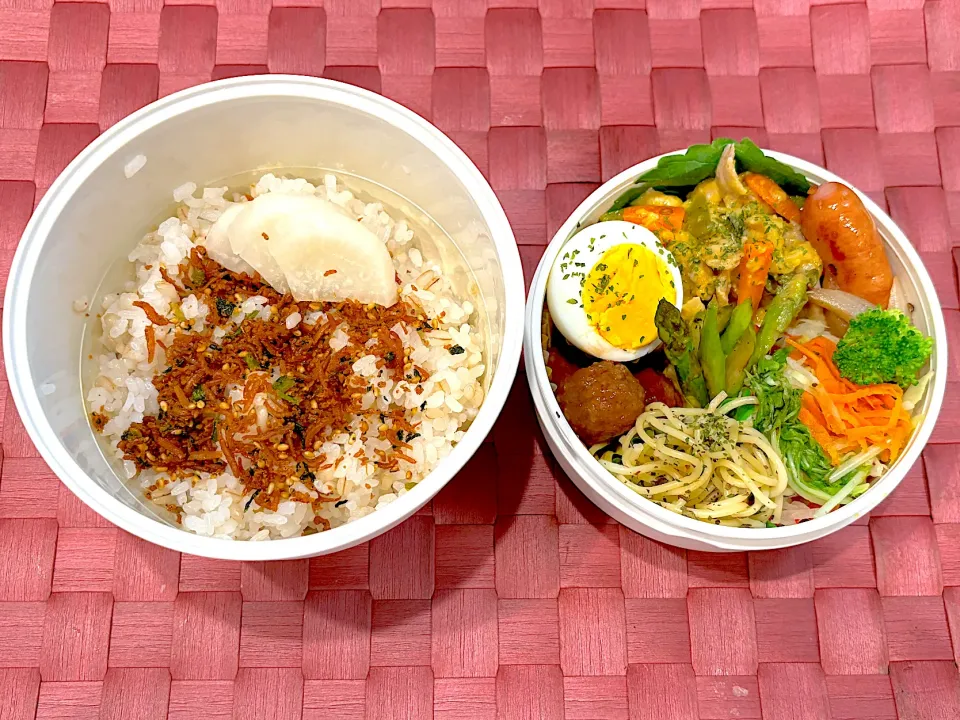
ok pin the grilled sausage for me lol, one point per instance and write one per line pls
(837, 224)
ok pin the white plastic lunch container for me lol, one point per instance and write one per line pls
(94, 215)
(651, 519)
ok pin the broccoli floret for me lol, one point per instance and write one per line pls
(882, 346)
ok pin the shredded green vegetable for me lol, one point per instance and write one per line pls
(775, 415)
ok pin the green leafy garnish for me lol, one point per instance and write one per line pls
(198, 394)
(678, 173)
(752, 158)
(280, 387)
(177, 312)
(775, 415)
(130, 434)
(805, 459)
(283, 383)
(778, 401)
(196, 275)
(251, 362)
(225, 308)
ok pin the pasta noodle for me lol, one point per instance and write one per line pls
(701, 463)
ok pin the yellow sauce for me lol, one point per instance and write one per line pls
(621, 293)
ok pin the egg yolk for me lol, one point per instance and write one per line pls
(621, 293)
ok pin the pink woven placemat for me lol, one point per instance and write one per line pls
(510, 597)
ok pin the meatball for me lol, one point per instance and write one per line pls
(601, 401)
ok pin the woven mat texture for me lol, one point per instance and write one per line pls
(511, 596)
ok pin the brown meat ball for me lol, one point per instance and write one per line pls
(601, 401)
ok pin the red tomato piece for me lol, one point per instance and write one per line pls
(560, 367)
(658, 388)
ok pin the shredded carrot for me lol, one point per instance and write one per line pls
(152, 315)
(151, 338)
(845, 417)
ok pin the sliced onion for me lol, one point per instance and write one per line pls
(808, 328)
(853, 462)
(898, 299)
(914, 394)
(727, 179)
(836, 324)
(845, 305)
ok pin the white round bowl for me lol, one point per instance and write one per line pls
(94, 215)
(651, 519)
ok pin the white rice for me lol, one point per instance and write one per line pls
(217, 505)
(134, 166)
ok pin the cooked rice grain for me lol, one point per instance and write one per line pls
(218, 506)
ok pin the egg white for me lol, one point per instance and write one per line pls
(591, 243)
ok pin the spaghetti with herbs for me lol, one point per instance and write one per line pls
(702, 463)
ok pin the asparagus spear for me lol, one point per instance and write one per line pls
(738, 358)
(781, 312)
(712, 359)
(678, 347)
(739, 321)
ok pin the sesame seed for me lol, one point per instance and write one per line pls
(164, 406)
(201, 404)
(269, 488)
(224, 406)
(282, 447)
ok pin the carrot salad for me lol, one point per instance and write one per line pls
(845, 417)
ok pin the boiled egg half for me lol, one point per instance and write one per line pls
(604, 288)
